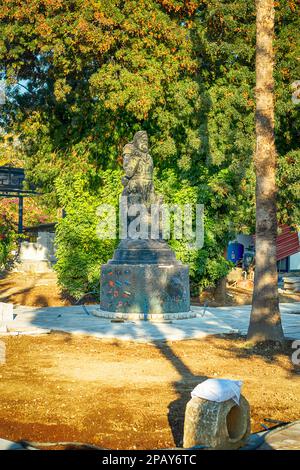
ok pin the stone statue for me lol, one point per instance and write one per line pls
(138, 167)
(143, 280)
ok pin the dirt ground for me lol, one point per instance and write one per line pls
(124, 395)
(33, 290)
(42, 290)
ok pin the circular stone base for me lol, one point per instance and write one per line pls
(144, 316)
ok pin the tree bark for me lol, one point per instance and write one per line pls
(220, 291)
(265, 322)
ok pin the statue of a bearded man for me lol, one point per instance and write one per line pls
(138, 167)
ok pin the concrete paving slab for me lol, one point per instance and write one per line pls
(10, 445)
(216, 320)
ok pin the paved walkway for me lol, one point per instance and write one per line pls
(80, 320)
(10, 445)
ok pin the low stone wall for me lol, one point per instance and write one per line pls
(6, 313)
(37, 257)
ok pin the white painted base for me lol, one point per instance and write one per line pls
(141, 316)
(33, 267)
(6, 312)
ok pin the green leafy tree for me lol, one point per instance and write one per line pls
(82, 76)
(224, 37)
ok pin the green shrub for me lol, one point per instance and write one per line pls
(80, 252)
(8, 242)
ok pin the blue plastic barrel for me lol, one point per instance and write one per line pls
(235, 252)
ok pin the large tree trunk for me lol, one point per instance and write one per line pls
(265, 322)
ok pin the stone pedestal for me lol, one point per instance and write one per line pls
(144, 281)
(222, 425)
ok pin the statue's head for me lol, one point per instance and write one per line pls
(140, 141)
(127, 149)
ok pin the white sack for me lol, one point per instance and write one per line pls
(219, 390)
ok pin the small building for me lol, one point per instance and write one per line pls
(288, 249)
